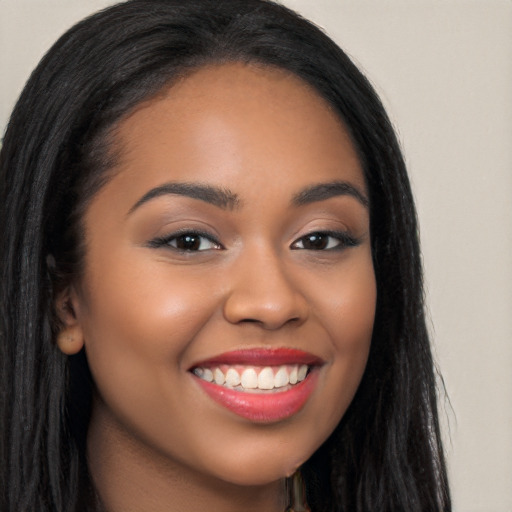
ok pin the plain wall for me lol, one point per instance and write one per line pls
(444, 71)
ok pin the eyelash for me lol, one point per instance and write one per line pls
(191, 233)
(344, 240)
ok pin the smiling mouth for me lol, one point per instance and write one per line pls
(254, 379)
(261, 385)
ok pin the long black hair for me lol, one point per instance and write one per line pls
(386, 453)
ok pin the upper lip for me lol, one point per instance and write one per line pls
(264, 356)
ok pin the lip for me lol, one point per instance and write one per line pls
(263, 357)
(263, 407)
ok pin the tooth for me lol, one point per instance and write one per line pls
(199, 372)
(232, 378)
(266, 378)
(301, 374)
(218, 376)
(281, 378)
(293, 375)
(207, 375)
(249, 379)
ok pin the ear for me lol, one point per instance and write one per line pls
(70, 339)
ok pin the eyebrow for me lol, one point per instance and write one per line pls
(221, 197)
(324, 191)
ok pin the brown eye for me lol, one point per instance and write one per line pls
(325, 241)
(315, 241)
(191, 242)
(187, 241)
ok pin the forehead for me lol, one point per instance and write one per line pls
(221, 120)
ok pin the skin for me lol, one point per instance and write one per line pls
(147, 314)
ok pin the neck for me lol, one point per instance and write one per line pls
(130, 476)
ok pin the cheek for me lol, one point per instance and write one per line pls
(348, 311)
(345, 303)
(137, 325)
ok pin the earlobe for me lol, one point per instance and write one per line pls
(70, 338)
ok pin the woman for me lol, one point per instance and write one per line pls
(211, 274)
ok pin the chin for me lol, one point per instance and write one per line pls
(258, 470)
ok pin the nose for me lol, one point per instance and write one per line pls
(262, 291)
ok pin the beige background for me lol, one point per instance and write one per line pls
(444, 70)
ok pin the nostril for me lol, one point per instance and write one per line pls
(263, 323)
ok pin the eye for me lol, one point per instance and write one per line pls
(325, 240)
(187, 241)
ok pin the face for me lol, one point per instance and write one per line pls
(228, 296)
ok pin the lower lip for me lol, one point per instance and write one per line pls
(263, 407)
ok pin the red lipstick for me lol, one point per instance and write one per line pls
(264, 357)
(261, 405)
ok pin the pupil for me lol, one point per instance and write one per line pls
(188, 242)
(316, 241)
